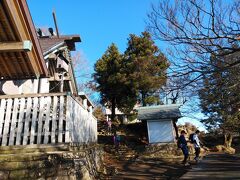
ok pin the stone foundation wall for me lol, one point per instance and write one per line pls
(167, 150)
(79, 162)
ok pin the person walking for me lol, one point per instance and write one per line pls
(109, 123)
(197, 145)
(183, 145)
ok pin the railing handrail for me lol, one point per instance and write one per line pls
(75, 99)
(32, 95)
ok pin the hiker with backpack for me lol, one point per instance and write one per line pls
(197, 145)
(182, 143)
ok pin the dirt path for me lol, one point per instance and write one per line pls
(126, 163)
(212, 167)
(216, 166)
(149, 169)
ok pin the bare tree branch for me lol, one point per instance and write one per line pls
(195, 30)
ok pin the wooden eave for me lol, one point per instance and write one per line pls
(52, 43)
(16, 28)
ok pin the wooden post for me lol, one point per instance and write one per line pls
(55, 22)
(2, 112)
(40, 119)
(14, 120)
(60, 128)
(54, 117)
(20, 122)
(27, 120)
(69, 118)
(34, 119)
(46, 125)
(79, 122)
(6, 122)
(82, 125)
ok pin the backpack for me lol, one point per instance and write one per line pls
(191, 138)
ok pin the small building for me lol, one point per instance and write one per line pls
(119, 115)
(161, 122)
(123, 117)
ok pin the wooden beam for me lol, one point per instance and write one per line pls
(21, 21)
(15, 46)
(4, 69)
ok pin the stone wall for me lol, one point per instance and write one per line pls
(167, 150)
(78, 162)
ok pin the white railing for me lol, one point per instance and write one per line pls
(45, 119)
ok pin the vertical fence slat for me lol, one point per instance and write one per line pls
(88, 127)
(2, 112)
(40, 119)
(47, 120)
(27, 120)
(85, 126)
(82, 125)
(78, 125)
(14, 120)
(6, 122)
(95, 130)
(34, 119)
(20, 121)
(69, 112)
(54, 117)
(91, 128)
(73, 121)
(60, 119)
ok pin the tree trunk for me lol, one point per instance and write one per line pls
(228, 140)
(113, 115)
(143, 98)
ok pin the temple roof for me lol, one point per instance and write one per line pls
(48, 44)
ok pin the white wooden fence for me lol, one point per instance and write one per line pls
(45, 119)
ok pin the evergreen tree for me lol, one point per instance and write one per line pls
(108, 77)
(145, 67)
(220, 98)
(121, 80)
(112, 82)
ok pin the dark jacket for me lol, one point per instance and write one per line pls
(182, 140)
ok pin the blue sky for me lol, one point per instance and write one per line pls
(99, 23)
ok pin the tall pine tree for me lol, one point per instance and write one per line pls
(108, 77)
(146, 67)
